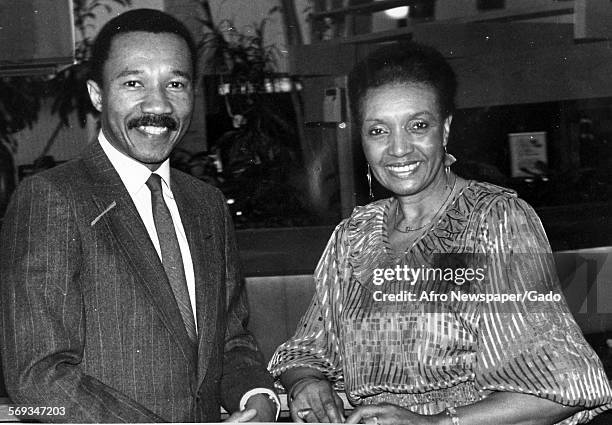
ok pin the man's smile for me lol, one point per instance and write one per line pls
(153, 130)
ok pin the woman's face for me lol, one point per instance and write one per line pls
(403, 136)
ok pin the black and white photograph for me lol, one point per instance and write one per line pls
(388, 212)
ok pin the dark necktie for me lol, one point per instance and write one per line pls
(171, 253)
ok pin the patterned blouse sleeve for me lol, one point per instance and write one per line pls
(532, 347)
(315, 342)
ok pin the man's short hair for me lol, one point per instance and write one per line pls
(146, 20)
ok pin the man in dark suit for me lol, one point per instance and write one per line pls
(120, 287)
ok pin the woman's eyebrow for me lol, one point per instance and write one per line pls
(182, 74)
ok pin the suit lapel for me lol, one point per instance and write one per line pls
(125, 225)
(196, 218)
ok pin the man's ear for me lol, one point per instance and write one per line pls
(95, 94)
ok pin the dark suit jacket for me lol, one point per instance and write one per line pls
(89, 321)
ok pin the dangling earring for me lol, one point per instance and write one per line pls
(449, 160)
(369, 177)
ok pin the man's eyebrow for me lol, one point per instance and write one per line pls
(176, 72)
(127, 73)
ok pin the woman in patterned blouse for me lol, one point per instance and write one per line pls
(441, 304)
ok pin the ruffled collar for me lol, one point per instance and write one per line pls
(368, 242)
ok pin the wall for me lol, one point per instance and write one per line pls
(303, 7)
(452, 9)
(448, 9)
(70, 140)
(102, 16)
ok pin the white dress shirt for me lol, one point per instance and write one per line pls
(134, 176)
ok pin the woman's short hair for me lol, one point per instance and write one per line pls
(405, 63)
(145, 20)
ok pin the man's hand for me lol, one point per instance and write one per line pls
(389, 414)
(259, 408)
(266, 409)
(314, 400)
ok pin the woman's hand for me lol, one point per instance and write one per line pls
(314, 400)
(388, 414)
(246, 415)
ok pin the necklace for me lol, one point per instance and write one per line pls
(408, 229)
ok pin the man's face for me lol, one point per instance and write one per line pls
(146, 98)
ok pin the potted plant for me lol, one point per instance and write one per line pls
(260, 149)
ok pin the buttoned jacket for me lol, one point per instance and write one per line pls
(89, 321)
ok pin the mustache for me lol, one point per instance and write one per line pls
(155, 121)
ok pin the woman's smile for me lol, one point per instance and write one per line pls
(404, 169)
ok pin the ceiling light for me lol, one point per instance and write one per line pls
(398, 12)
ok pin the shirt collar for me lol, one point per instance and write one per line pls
(133, 174)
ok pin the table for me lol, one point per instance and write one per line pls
(5, 403)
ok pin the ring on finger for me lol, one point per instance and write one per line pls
(302, 413)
